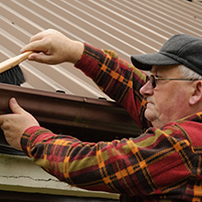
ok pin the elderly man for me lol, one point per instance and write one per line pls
(164, 163)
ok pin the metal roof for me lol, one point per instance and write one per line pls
(125, 26)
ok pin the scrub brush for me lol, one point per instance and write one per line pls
(10, 71)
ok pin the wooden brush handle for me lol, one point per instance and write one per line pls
(12, 62)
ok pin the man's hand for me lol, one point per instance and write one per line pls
(52, 47)
(15, 124)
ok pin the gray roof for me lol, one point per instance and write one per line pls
(125, 26)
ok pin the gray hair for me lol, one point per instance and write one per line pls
(185, 72)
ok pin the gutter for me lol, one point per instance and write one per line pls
(88, 119)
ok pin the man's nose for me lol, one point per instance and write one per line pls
(147, 89)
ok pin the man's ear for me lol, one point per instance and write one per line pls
(197, 93)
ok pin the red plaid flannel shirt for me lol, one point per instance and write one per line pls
(161, 164)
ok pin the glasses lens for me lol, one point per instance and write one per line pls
(153, 81)
(147, 78)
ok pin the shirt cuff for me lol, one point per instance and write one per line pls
(89, 61)
(29, 137)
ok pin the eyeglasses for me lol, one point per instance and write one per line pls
(153, 79)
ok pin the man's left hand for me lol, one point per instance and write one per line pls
(14, 125)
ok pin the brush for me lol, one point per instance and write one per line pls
(10, 71)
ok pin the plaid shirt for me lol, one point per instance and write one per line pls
(161, 164)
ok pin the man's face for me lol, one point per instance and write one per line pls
(169, 100)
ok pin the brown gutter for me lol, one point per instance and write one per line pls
(86, 118)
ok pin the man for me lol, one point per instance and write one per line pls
(164, 163)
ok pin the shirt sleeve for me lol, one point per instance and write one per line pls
(119, 79)
(134, 166)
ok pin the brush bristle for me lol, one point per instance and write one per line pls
(13, 76)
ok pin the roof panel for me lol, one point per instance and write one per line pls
(125, 26)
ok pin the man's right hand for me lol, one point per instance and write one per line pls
(52, 47)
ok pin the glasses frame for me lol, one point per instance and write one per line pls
(153, 79)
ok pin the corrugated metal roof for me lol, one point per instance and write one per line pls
(125, 26)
